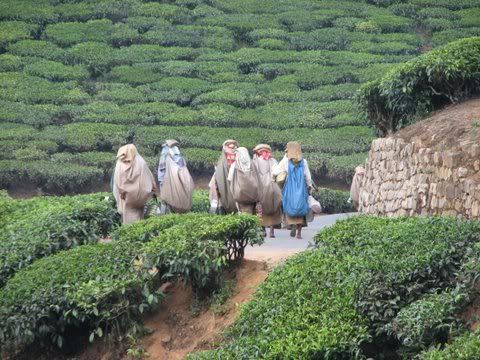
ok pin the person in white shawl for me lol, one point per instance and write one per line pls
(243, 182)
(133, 184)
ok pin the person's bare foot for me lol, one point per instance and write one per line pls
(299, 237)
(272, 235)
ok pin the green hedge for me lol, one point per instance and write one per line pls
(333, 201)
(466, 347)
(445, 75)
(98, 287)
(429, 320)
(334, 301)
(42, 226)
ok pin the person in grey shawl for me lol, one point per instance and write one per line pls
(221, 198)
(175, 182)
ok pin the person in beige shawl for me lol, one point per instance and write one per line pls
(133, 184)
(243, 182)
(220, 195)
(269, 193)
(356, 182)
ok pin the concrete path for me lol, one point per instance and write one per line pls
(283, 246)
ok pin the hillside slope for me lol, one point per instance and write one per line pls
(80, 78)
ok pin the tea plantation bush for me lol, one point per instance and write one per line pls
(445, 75)
(333, 201)
(197, 65)
(98, 288)
(365, 274)
(32, 229)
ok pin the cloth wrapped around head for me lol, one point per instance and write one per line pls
(171, 143)
(263, 150)
(294, 151)
(126, 154)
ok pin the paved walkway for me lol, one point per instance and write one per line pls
(283, 246)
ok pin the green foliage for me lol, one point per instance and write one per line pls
(43, 226)
(333, 201)
(465, 347)
(51, 177)
(445, 75)
(55, 71)
(67, 34)
(91, 287)
(331, 302)
(431, 319)
(201, 202)
(237, 64)
(11, 31)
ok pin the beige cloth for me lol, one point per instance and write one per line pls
(355, 188)
(294, 151)
(223, 190)
(177, 188)
(242, 179)
(269, 193)
(134, 184)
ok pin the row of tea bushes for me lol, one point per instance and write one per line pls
(99, 287)
(39, 227)
(445, 75)
(336, 300)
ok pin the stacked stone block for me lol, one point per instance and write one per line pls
(406, 179)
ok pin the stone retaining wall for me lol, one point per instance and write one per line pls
(405, 179)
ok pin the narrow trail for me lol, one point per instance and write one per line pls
(282, 246)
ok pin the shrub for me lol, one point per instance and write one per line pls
(465, 347)
(431, 319)
(333, 201)
(67, 34)
(97, 56)
(32, 89)
(12, 31)
(55, 71)
(201, 203)
(332, 301)
(426, 82)
(91, 287)
(37, 48)
(51, 177)
(44, 226)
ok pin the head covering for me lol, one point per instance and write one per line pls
(229, 141)
(168, 151)
(133, 181)
(294, 151)
(127, 153)
(243, 159)
(171, 143)
(260, 147)
(360, 170)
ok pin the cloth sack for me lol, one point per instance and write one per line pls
(269, 193)
(295, 193)
(314, 205)
(177, 188)
(244, 186)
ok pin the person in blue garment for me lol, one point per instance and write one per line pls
(296, 189)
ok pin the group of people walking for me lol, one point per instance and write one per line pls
(278, 192)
